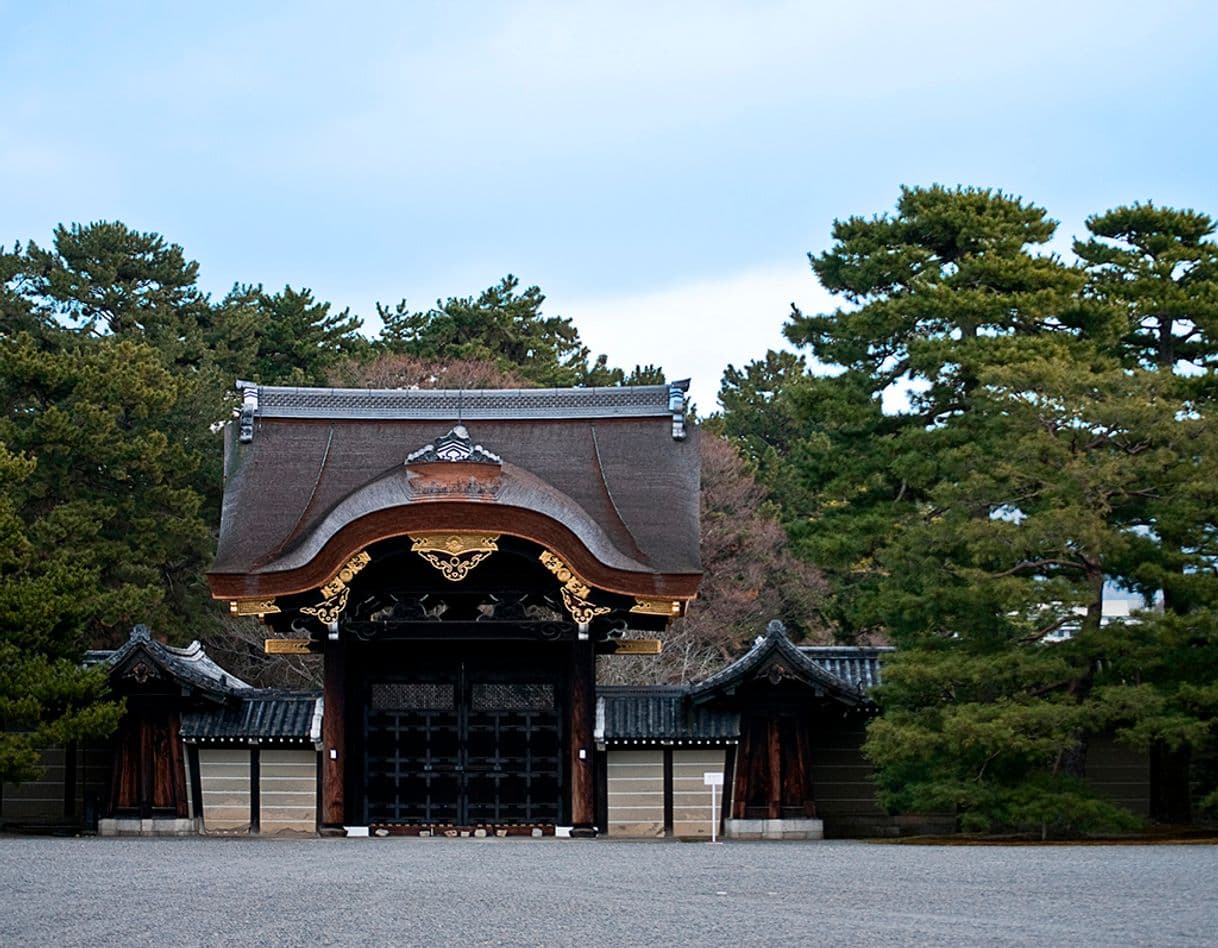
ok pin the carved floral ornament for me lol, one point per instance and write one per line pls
(455, 554)
(575, 591)
(335, 592)
(571, 582)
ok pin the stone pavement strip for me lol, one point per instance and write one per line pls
(428, 892)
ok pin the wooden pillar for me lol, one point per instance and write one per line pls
(803, 764)
(742, 764)
(582, 723)
(774, 804)
(334, 735)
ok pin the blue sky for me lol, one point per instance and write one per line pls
(659, 169)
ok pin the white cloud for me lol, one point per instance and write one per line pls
(696, 329)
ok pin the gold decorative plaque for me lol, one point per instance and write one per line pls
(658, 607)
(252, 607)
(455, 554)
(630, 647)
(287, 647)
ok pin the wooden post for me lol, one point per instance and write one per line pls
(774, 811)
(333, 735)
(583, 756)
(743, 763)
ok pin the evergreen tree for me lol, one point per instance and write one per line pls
(106, 278)
(111, 481)
(1158, 268)
(966, 480)
(48, 593)
(296, 339)
(503, 325)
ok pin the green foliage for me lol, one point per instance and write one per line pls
(1158, 267)
(46, 601)
(296, 339)
(1003, 436)
(504, 326)
(107, 278)
(110, 484)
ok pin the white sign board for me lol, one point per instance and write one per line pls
(714, 780)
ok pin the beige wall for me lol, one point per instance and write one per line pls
(224, 776)
(691, 798)
(288, 791)
(636, 792)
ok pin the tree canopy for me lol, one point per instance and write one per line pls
(999, 439)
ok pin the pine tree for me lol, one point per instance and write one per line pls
(48, 593)
(1158, 268)
(505, 325)
(965, 479)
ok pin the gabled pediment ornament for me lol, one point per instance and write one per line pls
(141, 672)
(456, 446)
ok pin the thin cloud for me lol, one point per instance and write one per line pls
(697, 329)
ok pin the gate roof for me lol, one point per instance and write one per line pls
(606, 478)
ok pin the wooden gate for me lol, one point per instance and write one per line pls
(464, 747)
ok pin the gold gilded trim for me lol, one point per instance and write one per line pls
(630, 647)
(252, 607)
(287, 647)
(345, 575)
(659, 607)
(328, 610)
(455, 554)
(581, 610)
(571, 582)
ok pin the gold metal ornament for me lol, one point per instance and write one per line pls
(565, 575)
(287, 646)
(252, 607)
(658, 607)
(345, 575)
(328, 610)
(581, 610)
(455, 554)
(630, 647)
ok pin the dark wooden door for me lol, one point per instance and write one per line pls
(465, 746)
(148, 776)
(773, 768)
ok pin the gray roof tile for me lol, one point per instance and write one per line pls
(857, 665)
(262, 715)
(661, 715)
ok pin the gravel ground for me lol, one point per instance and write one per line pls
(603, 892)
